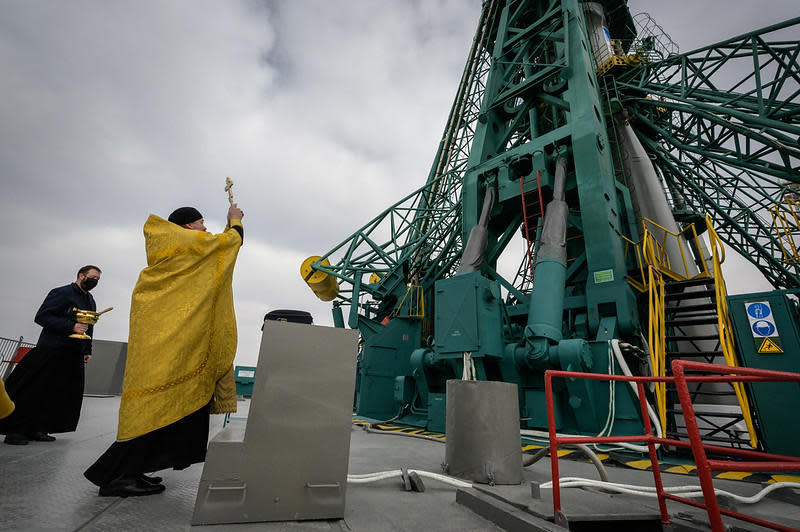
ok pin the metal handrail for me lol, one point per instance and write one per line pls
(663, 260)
(767, 462)
(641, 286)
(657, 332)
(726, 338)
(784, 227)
(8, 350)
(416, 303)
(760, 461)
(649, 253)
(652, 252)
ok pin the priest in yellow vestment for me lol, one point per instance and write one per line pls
(181, 345)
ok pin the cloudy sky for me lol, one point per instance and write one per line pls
(322, 112)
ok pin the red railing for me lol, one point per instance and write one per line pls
(760, 461)
(11, 353)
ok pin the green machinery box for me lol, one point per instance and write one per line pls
(767, 327)
(245, 376)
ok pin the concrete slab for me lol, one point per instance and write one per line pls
(42, 488)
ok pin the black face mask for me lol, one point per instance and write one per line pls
(88, 283)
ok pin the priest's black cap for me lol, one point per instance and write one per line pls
(184, 215)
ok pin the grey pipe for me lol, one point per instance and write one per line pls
(369, 429)
(529, 460)
(472, 257)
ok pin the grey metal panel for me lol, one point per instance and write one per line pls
(483, 439)
(290, 462)
(503, 514)
(106, 369)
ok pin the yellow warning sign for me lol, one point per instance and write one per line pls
(768, 346)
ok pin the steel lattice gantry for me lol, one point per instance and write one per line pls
(538, 112)
(722, 124)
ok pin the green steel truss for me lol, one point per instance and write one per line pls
(722, 125)
(419, 237)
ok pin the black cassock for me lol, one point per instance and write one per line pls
(47, 385)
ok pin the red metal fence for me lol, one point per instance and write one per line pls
(757, 461)
(11, 352)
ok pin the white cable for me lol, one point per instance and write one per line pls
(627, 371)
(468, 372)
(647, 491)
(442, 478)
(649, 360)
(382, 475)
(577, 482)
(612, 404)
(374, 477)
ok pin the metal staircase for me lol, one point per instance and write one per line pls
(689, 319)
(691, 324)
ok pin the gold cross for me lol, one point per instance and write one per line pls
(229, 189)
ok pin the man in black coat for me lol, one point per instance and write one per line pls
(47, 385)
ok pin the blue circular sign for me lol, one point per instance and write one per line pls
(758, 310)
(763, 328)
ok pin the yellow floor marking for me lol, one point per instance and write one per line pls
(531, 447)
(734, 475)
(783, 478)
(639, 464)
(681, 469)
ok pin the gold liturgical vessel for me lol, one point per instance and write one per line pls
(89, 317)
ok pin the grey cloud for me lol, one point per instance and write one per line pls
(324, 113)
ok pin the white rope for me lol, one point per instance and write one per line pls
(383, 475)
(647, 491)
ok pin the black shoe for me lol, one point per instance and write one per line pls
(41, 436)
(150, 480)
(130, 487)
(16, 439)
